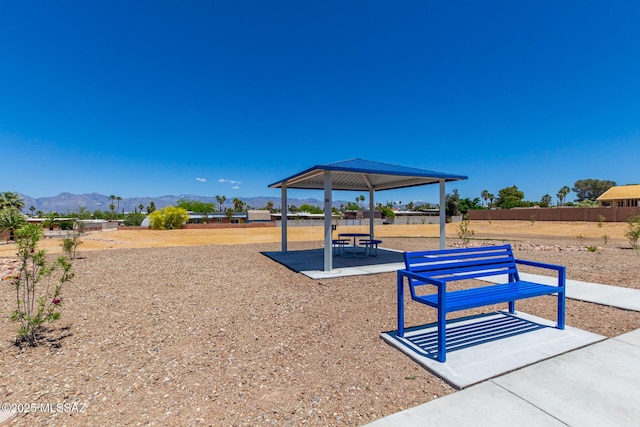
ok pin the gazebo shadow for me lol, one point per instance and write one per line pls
(310, 262)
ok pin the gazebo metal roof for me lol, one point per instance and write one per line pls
(359, 175)
(364, 175)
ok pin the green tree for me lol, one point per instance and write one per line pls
(134, 219)
(452, 204)
(195, 206)
(510, 197)
(467, 204)
(118, 198)
(11, 219)
(591, 189)
(151, 208)
(310, 209)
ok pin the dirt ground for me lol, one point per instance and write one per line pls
(199, 328)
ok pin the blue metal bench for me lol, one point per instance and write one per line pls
(439, 267)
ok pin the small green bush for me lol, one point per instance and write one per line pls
(66, 225)
(134, 219)
(38, 285)
(465, 232)
(633, 230)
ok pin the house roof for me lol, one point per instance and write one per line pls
(621, 192)
(258, 215)
(364, 175)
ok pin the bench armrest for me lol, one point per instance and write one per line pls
(561, 269)
(424, 280)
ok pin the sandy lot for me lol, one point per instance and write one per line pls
(540, 231)
(197, 327)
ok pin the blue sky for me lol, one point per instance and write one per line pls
(152, 98)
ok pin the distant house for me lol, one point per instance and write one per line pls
(621, 196)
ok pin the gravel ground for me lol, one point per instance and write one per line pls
(220, 335)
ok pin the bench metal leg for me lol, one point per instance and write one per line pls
(400, 290)
(512, 307)
(442, 326)
(442, 335)
(561, 296)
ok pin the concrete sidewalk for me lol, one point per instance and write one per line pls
(594, 385)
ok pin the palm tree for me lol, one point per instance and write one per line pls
(237, 204)
(221, 200)
(491, 197)
(485, 196)
(562, 194)
(141, 206)
(269, 206)
(9, 199)
(546, 200)
(11, 219)
(118, 199)
(112, 206)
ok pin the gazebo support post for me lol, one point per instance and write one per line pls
(443, 219)
(328, 254)
(283, 217)
(371, 213)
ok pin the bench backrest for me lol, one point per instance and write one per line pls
(463, 263)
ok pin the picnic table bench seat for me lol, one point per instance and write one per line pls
(371, 245)
(338, 245)
(435, 269)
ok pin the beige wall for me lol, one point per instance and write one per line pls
(556, 214)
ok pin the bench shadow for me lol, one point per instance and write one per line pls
(465, 335)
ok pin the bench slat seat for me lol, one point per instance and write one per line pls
(488, 295)
(433, 270)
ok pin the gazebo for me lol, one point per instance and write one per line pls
(359, 175)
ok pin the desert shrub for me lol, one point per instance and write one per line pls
(465, 232)
(633, 230)
(70, 244)
(38, 285)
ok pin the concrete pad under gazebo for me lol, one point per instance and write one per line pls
(359, 175)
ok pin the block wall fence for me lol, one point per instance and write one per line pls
(610, 214)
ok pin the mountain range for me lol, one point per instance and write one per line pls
(65, 203)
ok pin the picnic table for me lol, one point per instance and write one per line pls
(355, 244)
